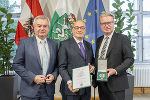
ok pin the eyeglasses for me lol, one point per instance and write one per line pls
(107, 23)
(77, 28)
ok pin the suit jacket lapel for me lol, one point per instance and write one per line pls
(35, 48)
(98, 46)
(112, 43)
(86, 50)
(51, 51)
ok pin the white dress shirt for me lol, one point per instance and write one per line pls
(39, 44)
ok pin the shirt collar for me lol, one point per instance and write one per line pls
(109, 35)
(39, 40)
(77, 40)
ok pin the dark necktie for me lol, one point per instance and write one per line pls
(82, 49)
(104, 48)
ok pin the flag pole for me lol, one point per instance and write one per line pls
(94, 93)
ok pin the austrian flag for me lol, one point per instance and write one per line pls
(31, 9)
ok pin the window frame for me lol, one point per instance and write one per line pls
(139, 38)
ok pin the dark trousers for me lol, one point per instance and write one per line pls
(41, 95)
(106, 94)
(76, 97)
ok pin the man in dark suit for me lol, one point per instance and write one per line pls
(70, 56)
(36, 63)
(119, 57)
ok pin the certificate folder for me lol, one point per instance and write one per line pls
(101, 73)
(81, 77)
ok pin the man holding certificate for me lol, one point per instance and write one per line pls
(113, 57)
(75, 54)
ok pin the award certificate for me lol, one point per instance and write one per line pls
(81, 77)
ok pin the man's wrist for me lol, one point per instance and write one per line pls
(115, 72)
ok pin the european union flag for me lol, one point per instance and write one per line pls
(91, 19)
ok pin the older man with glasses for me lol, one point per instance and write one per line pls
(114, 51)
(74, 52)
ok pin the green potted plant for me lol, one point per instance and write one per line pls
(7, 81)
(130, 29)
(129, 17)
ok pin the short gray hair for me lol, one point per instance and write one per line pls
(105, 14)
(41, 17)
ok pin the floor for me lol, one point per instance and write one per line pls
(139, 96)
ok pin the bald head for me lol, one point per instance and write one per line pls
(78, 21)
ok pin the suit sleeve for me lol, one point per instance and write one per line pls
(128, 58)
(94, 77)
(19, 64)
(96, 55)
(92, 59)
(62, 59)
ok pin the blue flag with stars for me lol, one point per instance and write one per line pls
(91, 19)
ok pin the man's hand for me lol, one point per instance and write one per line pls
(92, 68)
(70, 88)
(49, 78)
(110, 72)
(39, 79)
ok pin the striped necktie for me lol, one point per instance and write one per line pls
(104, 48)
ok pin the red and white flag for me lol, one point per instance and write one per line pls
(31, 9)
